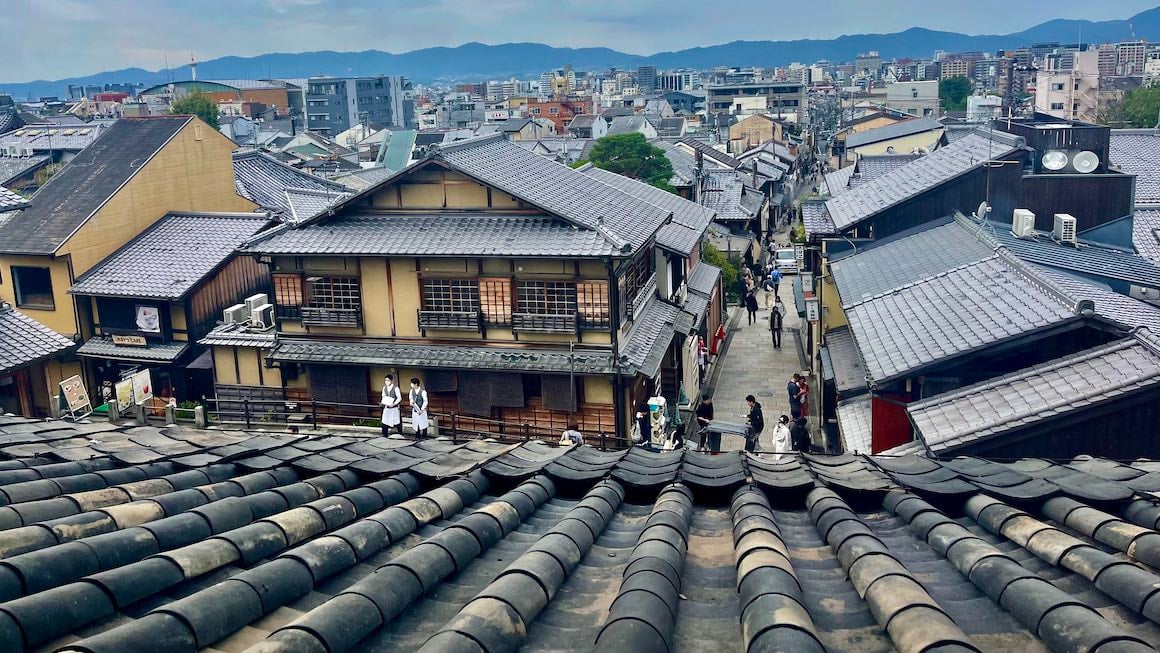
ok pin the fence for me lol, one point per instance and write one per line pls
(252, 413)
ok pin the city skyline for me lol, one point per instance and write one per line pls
(116, 35)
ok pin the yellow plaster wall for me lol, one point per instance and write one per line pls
(62, 318)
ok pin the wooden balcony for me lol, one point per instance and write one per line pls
(455, 321)
(332, 317)
(543, 323)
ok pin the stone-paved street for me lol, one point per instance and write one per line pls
(752, 366)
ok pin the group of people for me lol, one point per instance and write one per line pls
(790, 434)
(768, 280)
(391, 400)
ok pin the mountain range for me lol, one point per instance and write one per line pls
(476, 61)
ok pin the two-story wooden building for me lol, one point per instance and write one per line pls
(517, 289)
(152, 299)
(131, 176)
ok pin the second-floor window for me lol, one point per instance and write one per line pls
(451, 295)
(33, 287)
(547, 297)
(333, 293)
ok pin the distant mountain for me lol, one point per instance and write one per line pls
(475, 61)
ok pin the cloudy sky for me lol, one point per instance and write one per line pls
(53, 39)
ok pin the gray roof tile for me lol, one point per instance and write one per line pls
(703, 278)
(46, 138)
(849, 375)
(24, 341)
(838, 181)
(13, 167)
(710, 152)
(940, 166)
(854, 424)
(103, 347)
(725, 193)
(1126, 310)
(1137, 152)
(1053, 390)
(75, 192)
(892, 131)
(10, 201)
(264, 180)
(900, 260)
(1146, 234)
(627, 125)
(170, 258)
(380, 234)
(950, 314)
(816, 218)
(650, 336)
(441, 356)
(238, 335)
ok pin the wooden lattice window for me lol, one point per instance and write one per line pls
(451, 295)
(547, 297)
(495, 297)
(592, 301)
(334, 293)
(288, 289)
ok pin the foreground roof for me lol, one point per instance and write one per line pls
(172, 257)
(268, 182)
(228, 539)
(1135, 151)
(1051, 391)
(889, 132)
(1087, 258)
(75, 192)
(24, 341)
(917, 177)
(690, 220)
(404, 354)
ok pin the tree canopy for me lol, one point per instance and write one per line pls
(1142, 106)
(953, 92)
(197, 104)
(633, 156)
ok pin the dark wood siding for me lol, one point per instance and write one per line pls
(241, 277)
(119, 316)
(1093, 199)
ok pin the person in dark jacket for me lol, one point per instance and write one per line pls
(800, 436)
(751, 306)
(795, 407)
(710, 441)
(756, 423)
(775, 326)
(644, 423)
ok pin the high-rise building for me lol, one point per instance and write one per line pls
(1107, 60)
(646, 78)
(335, 104)
(1130, 57)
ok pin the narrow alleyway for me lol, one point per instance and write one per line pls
(752, 366)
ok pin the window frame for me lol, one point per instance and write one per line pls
(18, 292)
(449, 295)
(546, 297)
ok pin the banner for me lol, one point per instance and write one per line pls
(124, 392)
(75, 395)
(142, 386)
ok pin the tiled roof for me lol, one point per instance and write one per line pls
(685, 212)
(238, 335)
(75, 192)
(1137, 151)
(710, 152)
(103, 347)
(838, 181)
(227, 540)
(900, 260)
(9, 120)
(366, 177)
(401, 354)
(873, 166)
(24, 341)
(849, 375)
(172, 257)
(557, 188)
(649, 338)
(379, 234)
(583, 121)
(10, 201)
(46, 138)
(703, 279)
(896, 130)
(816, 218)
(673, 127)
(1146, 234)
(1126, 310)
(265, 180)
(1052, 391)
(854, 424)
(684, 165)
(938, 167)
(627, 125)
(725, 193)
(14, 167)
(1087, 259)
(950, 314)
(305, 204)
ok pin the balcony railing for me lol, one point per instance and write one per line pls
(458, 321)
(543, 323)
(336, 317)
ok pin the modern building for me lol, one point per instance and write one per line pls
(1071, 94)
(785, 99)
(914, 98)
(522, 292)
(646, 79)
(335, 104)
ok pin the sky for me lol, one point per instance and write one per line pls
(55, 39)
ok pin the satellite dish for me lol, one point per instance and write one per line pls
(1054, 160)
(981, 212)
(1085, 161)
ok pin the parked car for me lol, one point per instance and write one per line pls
(786, 261)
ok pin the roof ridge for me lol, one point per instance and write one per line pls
(1024, 269)
(467, 142)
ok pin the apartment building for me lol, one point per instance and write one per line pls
(783, 98)
(335, 104)
(1072, 93)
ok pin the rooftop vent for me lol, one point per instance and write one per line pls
(1064, 231)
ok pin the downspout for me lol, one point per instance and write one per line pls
(614, 312)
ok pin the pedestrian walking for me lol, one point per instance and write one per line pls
(418, 397)
(390, 399)
(804, 397)
(795, 407)
(704, 417)
(644, 425)
(781, 437)
(751, 306)
(800, 436)
(572, 435)
(775, 326)
(756, 423)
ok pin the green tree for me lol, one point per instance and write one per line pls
(197, 104)
(716, 257)
(1141, 106)
(953, 92)
(633, 156)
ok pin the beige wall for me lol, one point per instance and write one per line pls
(193, 172)
(434, 187)
(902, 145)
(246, 372)
(62, 318)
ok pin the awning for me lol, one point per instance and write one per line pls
(827, 365)
(102, 347)
(799, 298)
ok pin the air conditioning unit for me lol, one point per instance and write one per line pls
(1023, 223)
(262, 317)
(236, 314)
(254, 301)
(1064, 231)
(26, 151)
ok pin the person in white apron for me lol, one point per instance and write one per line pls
(390, 401)
(418, 397)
